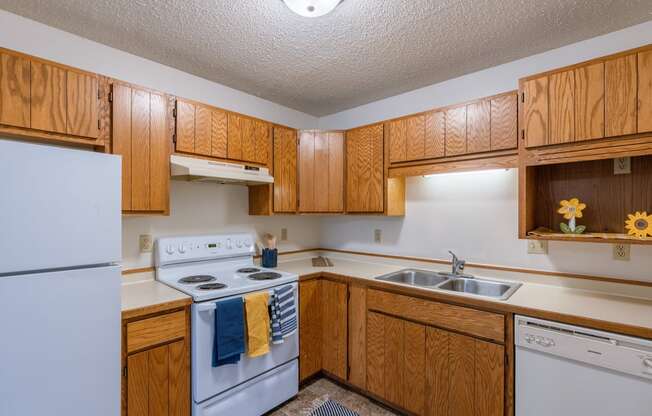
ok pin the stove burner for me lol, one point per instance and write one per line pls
(201, 278)
(211, 286)
(264, 276)
(248, 270)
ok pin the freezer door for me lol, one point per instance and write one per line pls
(59, 207)
(60, 343)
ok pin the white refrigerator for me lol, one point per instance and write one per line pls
(60, 244)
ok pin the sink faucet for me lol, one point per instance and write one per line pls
(458, 265)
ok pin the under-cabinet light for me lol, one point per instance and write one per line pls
(465, 172)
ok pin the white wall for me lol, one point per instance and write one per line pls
(490, 81)
(207, 208)
(28, 36)
(474, 215)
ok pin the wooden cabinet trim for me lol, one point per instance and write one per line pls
(160, 329)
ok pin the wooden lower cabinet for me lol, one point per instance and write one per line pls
(155, 383)
(310, 328)
(429, 371)
(156, 360)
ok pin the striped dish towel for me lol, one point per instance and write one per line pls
(284, 313)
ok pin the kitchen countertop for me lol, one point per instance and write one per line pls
(595, 304)
(148, 296)
(623, 308)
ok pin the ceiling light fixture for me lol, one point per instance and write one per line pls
(312, 8)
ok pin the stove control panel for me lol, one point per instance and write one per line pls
(171, 250)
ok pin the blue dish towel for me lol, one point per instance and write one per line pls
(284, 313)
(229, 340)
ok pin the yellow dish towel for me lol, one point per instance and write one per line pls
(257, 323)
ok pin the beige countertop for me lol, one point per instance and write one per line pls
(548, 297)
(618, 307)
(147, 293)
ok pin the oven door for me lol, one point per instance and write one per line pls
(208, 381)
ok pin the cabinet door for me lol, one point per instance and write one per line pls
(435, 135)
(310, 328)
(285, 169)
(504, 122)
(364, 161)
(234, 141)
(185, 141)
(456, 131)
(535, 111)
(437, 384)
(203, 130)
(415, 137)
(478, 137)
(248, 139)
(357, 336)
(414, 374)
(219, 133)
(14, 91)
(562, 107)
(262, 142)
(140, 137)
(397, 131)
(82, 104)
(158, 381)
(645, 91)
(321, 172)
(589, 102)
(307, 171)
(334, 326)
(335, 172)
(620, 96)
(48, 97)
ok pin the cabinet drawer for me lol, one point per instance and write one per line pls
(457, 318)
(156, 330)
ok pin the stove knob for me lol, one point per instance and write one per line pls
(229, 246)
(169, 249)
(647, 362)
(238, 244)
(182, 248)
(247, 243)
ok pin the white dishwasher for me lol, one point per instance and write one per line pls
(565, 370)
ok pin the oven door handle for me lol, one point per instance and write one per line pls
(206, 307)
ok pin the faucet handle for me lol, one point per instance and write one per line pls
(454, 256)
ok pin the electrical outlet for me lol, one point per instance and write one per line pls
(378, 236)
(622, 166)
(284, 234)
(146, 243)
(537, 247)
(621, 252)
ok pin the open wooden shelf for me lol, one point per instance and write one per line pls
(608, 238)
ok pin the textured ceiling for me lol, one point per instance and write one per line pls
(364, 51)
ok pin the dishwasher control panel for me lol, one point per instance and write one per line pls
(617, 352)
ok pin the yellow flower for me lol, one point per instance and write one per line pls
(639, 224)
(572, 208)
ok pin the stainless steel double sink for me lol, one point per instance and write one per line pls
(448, 282)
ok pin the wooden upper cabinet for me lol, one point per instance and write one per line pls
(535, 111)
(504, 122)
(620, 96)
(415, 137)
(285, 170)
(234, 141)
(589, 102)
(185, 140)
(397, 132)
(262, 139)
(456, 131)
(82, 96)
(140, 137)
(203, 130)
(562, 107)
(365, 169)
(15, 90)
(48, 97)
(321, 171)
(219, 133)
(478, 129)
(645, 91)
(434, 134)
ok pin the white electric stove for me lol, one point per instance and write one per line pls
(216, 267)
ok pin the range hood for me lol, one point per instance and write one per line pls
(202, 170)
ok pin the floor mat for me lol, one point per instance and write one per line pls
(332, 408)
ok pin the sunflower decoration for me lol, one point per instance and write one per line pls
(571, 209)
(639, 224)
